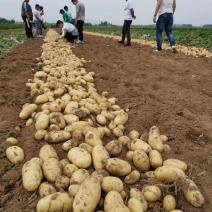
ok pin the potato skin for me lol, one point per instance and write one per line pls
(137, 144)
(141, 160)
(15, 154)
(155, 159)
(27, 111)
(135, 205)
(42, 122)
(79, 176)
(114, 147)
(112, 184)
(31, 175)
(88, 195)
(57, 202)
(93, 139)
(132, 178)
(57, 136)
(152, 193)
(176, 163)
(169, 203)
(46, 189)
(46, 152)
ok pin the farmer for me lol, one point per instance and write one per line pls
(27, 16)
(165, 9)
(38, 21)
(80, 18)
(128, 17)
(66, 17)
(69, 31)
(69, 13)
(42, 13)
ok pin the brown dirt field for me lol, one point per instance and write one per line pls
(172, 91)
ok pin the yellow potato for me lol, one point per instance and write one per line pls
(112, 184)
(152, 193)
(46, 152)
(149, 174)
(64, 162)
(101, 119)
(134, 134)
(70, 118)
(12, 140)
(132, 178)
(121, 119)
(69, 144)
(176, 163)
(69, 169)
(62, 182)
(141, 160)
(46, 189)
(138, 144)
(155, 159)
(41, 99)
(114, 147)
(15, 154)
(79, 176)
(169, 203)
(129, 155)
(93, 139)
(72, 189)
(40, 134)
(57, 136)
(164, 139)
(27, 111)
(42, 122)
(135, 205)
(87, 147)
(124, 140)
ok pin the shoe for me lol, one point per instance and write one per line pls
(120, 41)
(156, 50)
(127, 44)
(40, 36)
(174, 50)
(79, 42)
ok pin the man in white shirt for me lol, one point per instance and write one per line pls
(38, 20)
(128, 17)
(69, 31)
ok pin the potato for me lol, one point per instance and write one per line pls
(176, 163)
(124, 140)
(57, 136)
(112, 125)
(132, 178)
(70, 118)
(78, 125)
(169, 174)
(31, 175)
(134, 134)
(93, 139)
(54, 107)
(149, 174)
(41, 99)
(118, 132)
(71, 107)
(15, 154)
(59, 121)
(141, 160)
(72, 189)
(192, 193)
(80, 157)
(101, 119)
(40, 74)
(88, 195)
(46, 189)
(154, 139)
(129, 155)
(176, 211)
(114, 203)
(46, 152)
(69, 169)
(62, 182)
(27, 111)
(155, 159)
(121, 119)
(77, 134)
(12, 140)
(79, 176)
(51, 169)
(108, 115)
(29, 122)
(69, 144)
(114, 147)
(102, 172)
(64, 162)
(118, 167)
(42, 122)
(137, 144)
(40, 134)
(87, 147)
(135, 205)
(112, 184)
(55, 202)
(152, 193)
(169, 203)
(37, 160)
(100, 157)
(166, 148)
(164, 139)
(54, 127)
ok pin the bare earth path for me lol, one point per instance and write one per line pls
(172, 91)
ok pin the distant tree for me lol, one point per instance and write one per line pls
(105, 23)
(5, 21)
(207, 26)
(87, 24)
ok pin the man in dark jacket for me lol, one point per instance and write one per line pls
(27, 16)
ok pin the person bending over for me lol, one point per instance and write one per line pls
(69, 31)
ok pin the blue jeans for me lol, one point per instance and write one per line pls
(165, 21)
(38, 26)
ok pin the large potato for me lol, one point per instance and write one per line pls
(57, 136)
(46, 152)
(15, 154)
(154, 139)
(137, 144)
(169, 174)
(79, 176)
(176, 163)
(27, 111)
(141, 160)
(118, 167)
(152, 193)
(192, 193)
(51, 169)
(80, 157)
(42, 122)
(88, 195)
(132, 178)
(155, 159)
(93, 139)
(114, 147)
(31, 175)
(135, 205)
(114, 203)
(112, 184)
(169, 203)
(57, 202)
(100, 157)
(46, 189)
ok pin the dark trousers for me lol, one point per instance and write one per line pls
(28, 29)
(126, 31)
(80, 29)
(70, 37)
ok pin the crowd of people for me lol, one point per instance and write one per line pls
(72, 28)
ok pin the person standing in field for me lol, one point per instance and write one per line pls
(66, 17)
(69, 13)
(27, 16)
(38, 21)
(80, 18)
(42, 13)
(165, 9)
(128, 18)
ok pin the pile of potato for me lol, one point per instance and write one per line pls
(67, 109)
(191, 51)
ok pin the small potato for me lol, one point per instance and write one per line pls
(152, 193)
(80, 157)
(79, 176)
(176, 163)
(51, 169)
(46, 152)
(29, 122)
(55, 202)
(121, 119)
(101, 119)
(40, 134)
(135, 205)
(15, 154)
(12, 140)
(129, 155)
(124, 140)
(77, 134)
(155, 159)
(164, 139)
(166, 148)
(169, 174)
(57, 136)
(149, 174)
(69, 169)
(93, 139)
(118, 132)
(112, 184)
(141, 160)
(70, 144)
(118, 167)
(64, 162)
(132, 178)
(169, 203)
(138, 144)
(46, 189)
(87, 147)
(134, 134)
(71, 107)
(114, 147)
(72, 189)
(62, 182)
(27, 111)
(54, 107)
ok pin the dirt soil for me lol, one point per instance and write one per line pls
(172, 91)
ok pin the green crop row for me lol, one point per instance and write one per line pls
(11, 26)
(199, 37)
